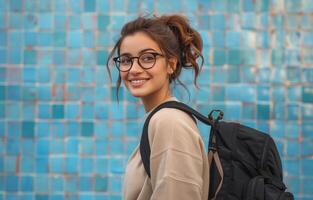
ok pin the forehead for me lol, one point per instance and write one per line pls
(135, 43)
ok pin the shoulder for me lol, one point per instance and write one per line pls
(172, 116)
(172, 122)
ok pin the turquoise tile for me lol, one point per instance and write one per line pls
(29, 75)
(307, 6)
(263, 39)
(168, 6)
(103, 22)
(71, 165)
(28, 128)
(262, 6)
(30, 57)
(233, 6)
(12, 183)
(87, 147)
(3, 38)
(27, 147)
(308, 75)
(44, 111)
(57, 147)
(58, 129)
(86, 184)
(115, 146)
(233, 111)
(248, 20)
(307, 56)
(2, 111)
(10, 164)
(101, 111)
(101, 184)
(73, 129)
(16, 21)
(3, 56)
(27, 164)
(89, 40)
(59, 6)
(72, 111)
(293, 6)
(103, 6)
(115, 185)
(101, 129)
(217, 22)
(234, 56)
(87, 111)
(75, 6)
(2, 74)
(43, 129)
(60, 21)
(41, 183)
(263, 111)
(27, 183)
(87, 129)
(294, 74)
(233, 39)
(59, 39)
(46, 21)
(14, 56)
(102, 166)
(13, 147)
(307, 94)
(71, 185)
(42, 165)
(58, 111)
(56, 185)
(249, 56)
(72, 146)
(28, 111)
(307, 110)
(74, 39)
(89, 5)
(11, 92)
(102, 57)
(248, 5)
(42, 147)
(45, 39)
(219, 57)
(87, 165)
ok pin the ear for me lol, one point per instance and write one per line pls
(171, 65)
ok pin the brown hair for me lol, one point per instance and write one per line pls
(175, 37)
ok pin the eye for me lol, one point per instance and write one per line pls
(125, 60)
(147, 58)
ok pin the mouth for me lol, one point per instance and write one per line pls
(138, 82)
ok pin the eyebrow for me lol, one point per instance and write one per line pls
(140, 52)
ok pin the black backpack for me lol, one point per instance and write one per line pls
(244, 162)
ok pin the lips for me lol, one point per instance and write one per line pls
(137, 82)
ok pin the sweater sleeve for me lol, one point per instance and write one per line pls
(176, 156)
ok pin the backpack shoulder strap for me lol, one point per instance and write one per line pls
(144, 141)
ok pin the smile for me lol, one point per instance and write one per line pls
(138, 82)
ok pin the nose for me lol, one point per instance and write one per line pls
(136, 68)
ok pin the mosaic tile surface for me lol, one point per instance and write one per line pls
(64, 136)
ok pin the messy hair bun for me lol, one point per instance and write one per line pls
(175, 37)
(189, 43)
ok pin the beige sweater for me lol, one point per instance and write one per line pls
(179, 165)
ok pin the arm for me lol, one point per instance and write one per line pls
(177, 162)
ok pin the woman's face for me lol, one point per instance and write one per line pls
(148, 84)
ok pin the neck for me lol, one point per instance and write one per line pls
(149, 103)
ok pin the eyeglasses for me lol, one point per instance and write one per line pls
(146, 60)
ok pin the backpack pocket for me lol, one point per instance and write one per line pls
(261, 188)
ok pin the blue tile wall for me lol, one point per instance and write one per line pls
(63, 134)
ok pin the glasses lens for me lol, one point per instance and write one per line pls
(124, 63)
(147, 60)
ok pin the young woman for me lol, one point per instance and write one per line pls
(150, 55)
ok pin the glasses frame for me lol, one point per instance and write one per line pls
(117, 63)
